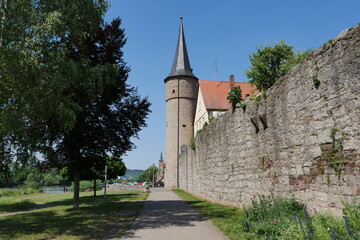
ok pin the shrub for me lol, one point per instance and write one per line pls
(234, 96)
(271, 217)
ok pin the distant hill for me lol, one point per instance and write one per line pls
(133, 174)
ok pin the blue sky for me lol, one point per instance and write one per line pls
(220, 35)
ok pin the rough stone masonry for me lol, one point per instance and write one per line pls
(303, 139)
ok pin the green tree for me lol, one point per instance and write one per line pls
(115, 167)
(110, 114)
(270, 63)
(234, 96)
(149, 174)
(36, 72)
(52, 177)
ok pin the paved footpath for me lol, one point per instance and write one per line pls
(166, 216)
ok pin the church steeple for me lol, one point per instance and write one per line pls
(161, 157)
(181, 65)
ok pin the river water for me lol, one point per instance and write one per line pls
(46, 189)
(54, 189)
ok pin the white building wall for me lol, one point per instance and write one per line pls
(201, 114)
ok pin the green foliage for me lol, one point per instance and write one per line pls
(23, 172)
(88, 186)
(115, 167)
(270, 63)
(36, 71)
(352, 212)
(271, 217)
(316, 80)
(110, 111)
(192, 144)
(277, 218)
(149, 174)
(44, 82)
(336, 156)
(53, 177)
(257, 99)
(243, 106)
(25, 190)
(234, 96)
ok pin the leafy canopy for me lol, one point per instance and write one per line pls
(270, 63)
(149, 174)
(36, 73)
(234, 96)
(111, 111)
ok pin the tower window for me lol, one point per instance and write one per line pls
(184, 125)
(173, 91)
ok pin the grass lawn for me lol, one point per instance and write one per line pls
(95, 220)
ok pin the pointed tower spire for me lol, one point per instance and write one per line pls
(181, 65)
(161, 157)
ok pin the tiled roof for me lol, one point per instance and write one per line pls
(216, 92)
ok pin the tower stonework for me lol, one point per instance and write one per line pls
(181, 93)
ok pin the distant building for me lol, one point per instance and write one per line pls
(212, 99)
(161, 173)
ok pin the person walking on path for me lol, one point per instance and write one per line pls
(166, 216)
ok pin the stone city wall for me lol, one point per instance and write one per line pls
(302, 140)
(125, 188)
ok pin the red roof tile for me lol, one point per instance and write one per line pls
(216, 92)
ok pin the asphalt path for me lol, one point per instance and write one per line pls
(166, 216)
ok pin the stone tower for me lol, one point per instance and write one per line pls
(181, 93)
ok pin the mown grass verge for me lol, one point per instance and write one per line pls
(97, 219)
(15, 205)
(278, 218)
(19, 192)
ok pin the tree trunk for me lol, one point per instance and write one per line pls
(76, 197)
(94, 187)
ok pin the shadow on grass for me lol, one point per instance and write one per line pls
(16, 206)
(91, 200)
(95, 219)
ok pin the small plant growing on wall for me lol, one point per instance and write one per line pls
(315, 77)
(335, 156)
(192, 144)
(234, 96)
